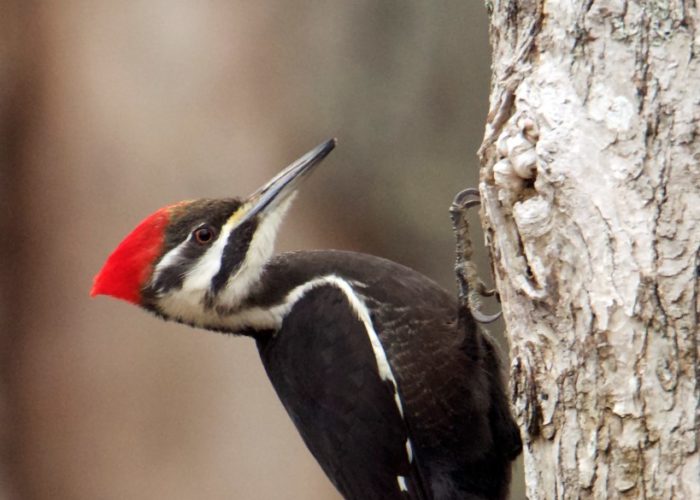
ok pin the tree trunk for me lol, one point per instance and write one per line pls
(591, 200)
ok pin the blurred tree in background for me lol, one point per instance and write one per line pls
(110, 110)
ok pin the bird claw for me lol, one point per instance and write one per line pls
(487, 292)
(461, 202)
(484, 318)
(470, 285)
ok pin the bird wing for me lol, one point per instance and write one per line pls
(342, 399)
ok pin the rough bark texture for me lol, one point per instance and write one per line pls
(591, 196)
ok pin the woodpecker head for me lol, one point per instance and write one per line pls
(194, 260)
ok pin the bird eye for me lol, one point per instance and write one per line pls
(204, 235)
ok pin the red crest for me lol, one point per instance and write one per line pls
(131, 264)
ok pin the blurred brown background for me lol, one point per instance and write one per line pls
(110, 110)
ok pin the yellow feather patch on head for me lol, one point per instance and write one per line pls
(237, 215)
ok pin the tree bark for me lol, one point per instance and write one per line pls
(590, 190)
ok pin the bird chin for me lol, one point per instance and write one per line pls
(188, 307)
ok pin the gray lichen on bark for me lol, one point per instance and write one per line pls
(591, 194)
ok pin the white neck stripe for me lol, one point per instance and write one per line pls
(272, 318)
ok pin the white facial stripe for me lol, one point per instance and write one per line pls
(200, 275)
(169, 259)
(259, 252)
(187, 303)
(208, 261)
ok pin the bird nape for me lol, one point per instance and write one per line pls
(394, 397)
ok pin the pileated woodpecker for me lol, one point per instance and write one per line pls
(393, 396)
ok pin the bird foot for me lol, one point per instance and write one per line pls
(471, 288)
